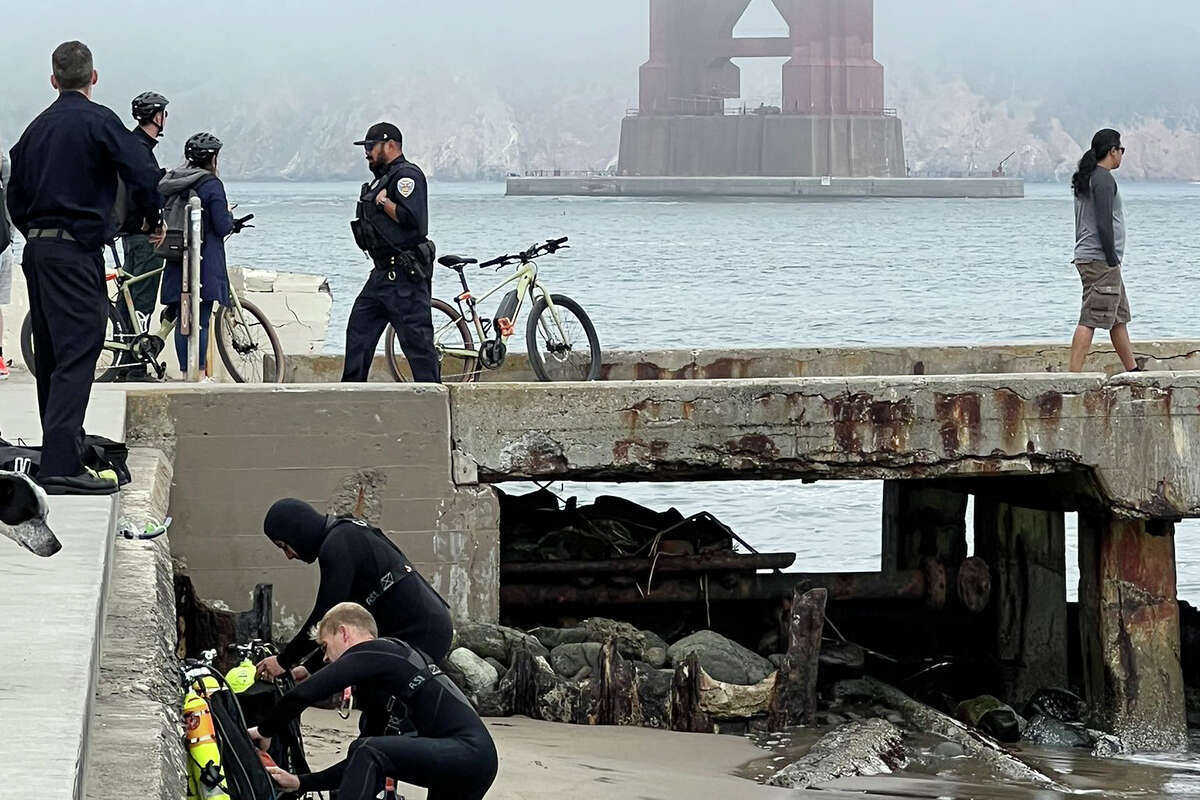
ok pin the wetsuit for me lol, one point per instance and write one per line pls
(452, 754)
(354, 557)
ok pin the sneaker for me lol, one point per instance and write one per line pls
(85, 483)
(3, 369)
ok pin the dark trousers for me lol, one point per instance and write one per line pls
(406, 305)
(68, 308)
(181, 342)
(451, 769)
(140, 259)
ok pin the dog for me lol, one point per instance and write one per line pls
(23, 512)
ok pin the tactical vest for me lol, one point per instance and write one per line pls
(374, 231)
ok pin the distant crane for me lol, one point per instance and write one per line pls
(998, 172)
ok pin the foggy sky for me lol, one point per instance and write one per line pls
(1072, 55)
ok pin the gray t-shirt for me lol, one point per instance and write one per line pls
(1100, 222)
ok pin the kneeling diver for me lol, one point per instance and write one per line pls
(452, 754)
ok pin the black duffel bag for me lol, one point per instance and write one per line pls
(99, 453)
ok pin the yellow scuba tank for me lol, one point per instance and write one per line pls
(241, 677)
(206, 781)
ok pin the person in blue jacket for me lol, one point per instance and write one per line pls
(200, 175)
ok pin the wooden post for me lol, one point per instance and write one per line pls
(1026, 550)
(1129, 631)
(686, 715)
(794, 701)
(616, 701)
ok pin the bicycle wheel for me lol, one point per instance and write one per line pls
(562, 345)
(110, 366)
(244, 341)
(450, 333)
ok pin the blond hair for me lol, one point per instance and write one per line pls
(351, 615)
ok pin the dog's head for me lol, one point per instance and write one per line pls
(23, 512)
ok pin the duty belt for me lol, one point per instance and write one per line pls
(50, 233)
(389, 579)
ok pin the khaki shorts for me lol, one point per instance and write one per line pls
(1105, 303)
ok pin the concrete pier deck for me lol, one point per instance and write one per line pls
(54, 614)
(798, 188)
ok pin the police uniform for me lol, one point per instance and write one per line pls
(400, 288)
(64, 184)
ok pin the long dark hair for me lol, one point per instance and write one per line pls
(1102, 144)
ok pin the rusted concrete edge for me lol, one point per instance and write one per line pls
(135, 748)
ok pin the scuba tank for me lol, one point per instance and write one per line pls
(206, 781)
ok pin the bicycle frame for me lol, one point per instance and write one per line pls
(526, 280)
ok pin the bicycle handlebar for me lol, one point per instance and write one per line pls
(548, 247)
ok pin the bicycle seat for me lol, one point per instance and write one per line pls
(456, 262)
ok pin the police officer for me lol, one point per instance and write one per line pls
(150, 113)
(392, 226)
(64, 184)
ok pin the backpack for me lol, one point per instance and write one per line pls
(245, 776)
(5, 231)
(174, 245)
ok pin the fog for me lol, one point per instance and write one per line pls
(1085, 63)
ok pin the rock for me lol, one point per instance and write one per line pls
(992, 717)
(894, 718)
(575, 660)
(1050, 732)
(495, 703)
(776, 659)
(656, 649)
(870, 747)
(723, 701)
(856, 688)
(733, 727)
(829, 719)
(948, 750)
(553, 637)
(495, 641)
(722, 658)
(1057, 703)
(631, 642)
(500, 668)
(842, 658)
(1105, 745)
(480, 676)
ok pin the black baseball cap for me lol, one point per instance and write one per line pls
(381, 132)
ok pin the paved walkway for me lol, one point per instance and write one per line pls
(53, 609)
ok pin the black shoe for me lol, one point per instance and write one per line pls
(86, 482)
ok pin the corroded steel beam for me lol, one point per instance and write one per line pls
(707, 562)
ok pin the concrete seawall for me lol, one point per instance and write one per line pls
(800, 188)
(808, 362)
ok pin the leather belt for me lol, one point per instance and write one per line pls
(50, 233)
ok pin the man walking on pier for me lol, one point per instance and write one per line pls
(64, 185)
(1100, 249)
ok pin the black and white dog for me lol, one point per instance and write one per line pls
(23, 510)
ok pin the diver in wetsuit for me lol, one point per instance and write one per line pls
(452, 755)
(358, 564)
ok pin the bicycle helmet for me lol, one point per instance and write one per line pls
(201, 147)
(147, 104)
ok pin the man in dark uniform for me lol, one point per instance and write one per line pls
(392, 226)
(150, 112)
(64, 184)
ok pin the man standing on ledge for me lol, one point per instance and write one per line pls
(64, 184)
(392, 227)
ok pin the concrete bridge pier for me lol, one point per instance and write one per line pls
(1129, 629)
(1025, 550)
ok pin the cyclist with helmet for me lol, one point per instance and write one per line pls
(150, 113)
(200, 176)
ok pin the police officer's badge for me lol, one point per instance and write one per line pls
(405, 186)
